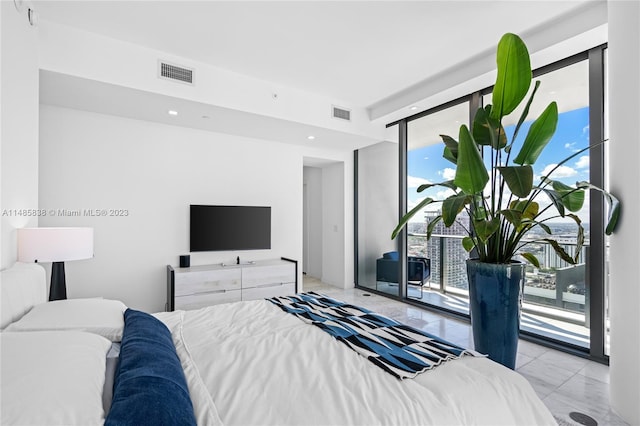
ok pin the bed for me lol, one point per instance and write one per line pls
(242, 363)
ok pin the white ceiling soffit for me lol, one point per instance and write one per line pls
(104, 98)
(367, 53)
(561, 36)
(318, 162)
(568, 86)
(387, 55)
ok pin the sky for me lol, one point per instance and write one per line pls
(426, 164)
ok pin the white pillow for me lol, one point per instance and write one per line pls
(52, 378)
(100, 316)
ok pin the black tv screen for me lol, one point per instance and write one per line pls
(221, 228)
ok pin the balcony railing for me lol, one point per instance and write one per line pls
(557, 289)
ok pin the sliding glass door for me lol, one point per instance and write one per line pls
(563, 304)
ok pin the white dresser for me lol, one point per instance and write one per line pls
(205, 285)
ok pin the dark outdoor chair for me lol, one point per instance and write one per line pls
(418, 269)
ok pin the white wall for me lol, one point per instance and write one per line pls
(624, 116)
(18, 126)
(154, 171)
(313, 232)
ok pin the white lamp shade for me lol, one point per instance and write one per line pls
(54, 244)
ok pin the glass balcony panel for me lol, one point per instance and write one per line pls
(447, 285)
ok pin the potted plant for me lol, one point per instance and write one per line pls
(500, 200)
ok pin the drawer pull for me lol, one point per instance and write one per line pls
(269, 285)
(207, 292)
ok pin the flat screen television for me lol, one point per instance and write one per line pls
(223, 228)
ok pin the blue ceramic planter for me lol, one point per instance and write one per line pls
(495, 298)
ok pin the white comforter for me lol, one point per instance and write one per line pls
(250, 363)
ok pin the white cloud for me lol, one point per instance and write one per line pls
(448, 173)
(414, 181)
(445, 193)
(585, 129)
(583, 162)
(560, 172)
(572, 146)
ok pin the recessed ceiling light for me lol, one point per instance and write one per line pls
(311, 137)
(172, 112)
(413, 108)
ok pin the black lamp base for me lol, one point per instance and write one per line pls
(58, 289)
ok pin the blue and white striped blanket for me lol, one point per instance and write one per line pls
(397, 348)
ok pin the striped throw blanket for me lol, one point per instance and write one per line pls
(399, 349)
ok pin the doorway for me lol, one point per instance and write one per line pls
(323, 221)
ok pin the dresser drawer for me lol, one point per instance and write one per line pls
(202, 300)
(270, 290)
(205, 285)
(191, 283)
(270, 274)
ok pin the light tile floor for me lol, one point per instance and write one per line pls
(565, 383)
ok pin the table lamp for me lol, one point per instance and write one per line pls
(55, 245)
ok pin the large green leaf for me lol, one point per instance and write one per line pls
(560, 251)
(519, 179)
(468, 244)
(612, 202)
(525, 111)
(471, 173)
(528, 208)
(514, 75)
(486, 228)
(514, 217)
(447, 184)
(545, 227)
(432, 224)
(555, 199)
(531, 258)
(579, 238)
(409, 215)
(448, 155)
(452, 206)
(571, 198)
(488, 131)
(540, 133)
(450, 149)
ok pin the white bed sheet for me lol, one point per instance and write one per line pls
(249, 363)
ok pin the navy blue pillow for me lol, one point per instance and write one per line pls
(150, 387)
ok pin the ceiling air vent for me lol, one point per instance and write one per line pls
(341, 113)
(175, 72)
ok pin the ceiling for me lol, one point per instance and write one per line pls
(365, 53)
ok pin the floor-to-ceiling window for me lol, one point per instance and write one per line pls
(563, 304)
(556, 295)
(447, 285)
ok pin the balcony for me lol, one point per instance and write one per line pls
(555, 304)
